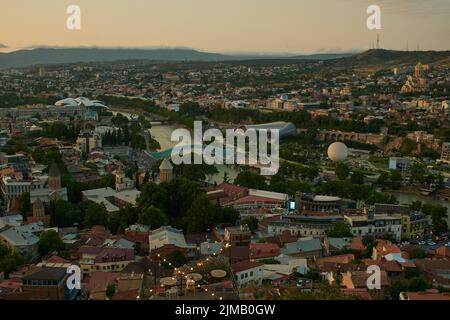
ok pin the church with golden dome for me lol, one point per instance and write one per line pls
(416, 82)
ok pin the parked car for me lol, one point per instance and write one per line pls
(431, 243)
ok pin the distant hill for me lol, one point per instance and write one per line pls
(322, 56)
(380, 58)
(369, 60)
(24, 58)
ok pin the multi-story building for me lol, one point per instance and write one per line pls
(22, 239)
(310, 202)
(43, 111)
(375, 225)
(47, 283)
(413, 225)
(19, 162)
(445, 156)
(248, 272)
(306, 225)
(104, 259)
(238, 236)
(12, 187)
(88, 141)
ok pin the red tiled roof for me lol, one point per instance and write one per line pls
(357, 244)
(443, 251)
(89, 250)
(245, 265)
(57, 259)
(252, 199)
(136, 236)
(389, 266)
(343, 258)
(110, 254)
(263, 250)
(428, 296)
(126, 295)
(99, 280)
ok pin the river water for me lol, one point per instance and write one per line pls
(408, 198)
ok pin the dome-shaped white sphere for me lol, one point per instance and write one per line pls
(337, 152)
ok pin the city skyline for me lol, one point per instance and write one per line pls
(257, 27)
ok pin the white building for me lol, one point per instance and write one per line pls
(248, 273)
(112, 199)
(22, 239)
(376, 225)
(11, 187)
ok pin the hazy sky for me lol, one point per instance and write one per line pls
(227, 25)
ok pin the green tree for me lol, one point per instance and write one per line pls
(95, 214)
(417, 253)
(383, 179)
(176, 258)
(339, 229)
(49, 241)
(200, 216)
(396, 179)
(250, 179)
(110, 291)
(369, 242)
(153, 217)
(416, 205)
(342, 171)
(146, 177)
(313, 274)
(357, 178)
(251, 222)
(25, 201)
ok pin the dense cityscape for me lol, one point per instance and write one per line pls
(364, 180)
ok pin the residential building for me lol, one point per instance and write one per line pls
(308, 224)
(375, 225)
(104, 259)
(48, 283)
(259, 251)
(310, 248)
(445, 155)
(22, 239)
(238, 236)
(248, 273)
(112, 199)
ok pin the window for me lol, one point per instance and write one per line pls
(251, 273)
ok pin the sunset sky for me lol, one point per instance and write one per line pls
(289, 26)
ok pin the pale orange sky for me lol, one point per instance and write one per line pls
(227, 25)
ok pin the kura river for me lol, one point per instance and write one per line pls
(408, 198)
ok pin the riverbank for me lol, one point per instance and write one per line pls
(405, 197)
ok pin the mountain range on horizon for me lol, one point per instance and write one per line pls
(48, 56)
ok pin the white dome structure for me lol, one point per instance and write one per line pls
(337, 152)
(80, 101)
